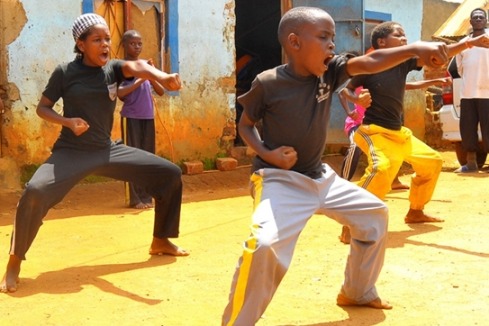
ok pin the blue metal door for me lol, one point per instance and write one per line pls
(350, 27)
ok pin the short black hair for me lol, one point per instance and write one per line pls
(478, 9)
(294, 20)
(382, 31)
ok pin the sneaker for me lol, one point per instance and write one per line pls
(465, 169)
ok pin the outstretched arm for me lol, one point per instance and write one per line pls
(427, 82)
(433, 54)
(144, 70)
(455, 48)
(124, 90)
(481, 41)
(160, 90)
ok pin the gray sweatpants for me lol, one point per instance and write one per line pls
(66, 167)
(284, 202)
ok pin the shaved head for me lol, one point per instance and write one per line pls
(294, 20)
(130, 34)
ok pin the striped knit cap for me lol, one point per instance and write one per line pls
(84, 22)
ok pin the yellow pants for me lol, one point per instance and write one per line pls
(386, 151)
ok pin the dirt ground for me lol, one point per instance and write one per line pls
(89, 264)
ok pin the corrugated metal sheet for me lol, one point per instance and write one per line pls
(458, 24)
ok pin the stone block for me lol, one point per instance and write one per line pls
(193, 167)
(226, 163)
(243, 154)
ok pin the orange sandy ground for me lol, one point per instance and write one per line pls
(89, 264)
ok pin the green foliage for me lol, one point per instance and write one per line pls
(209, 164)
(26, 173)
(221, 155)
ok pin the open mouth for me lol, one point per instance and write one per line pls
(328, 59)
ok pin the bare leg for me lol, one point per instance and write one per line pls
(165, 247)
(11, 277)
(377, 303)
(418, 216)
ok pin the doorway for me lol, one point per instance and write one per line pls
(256, 42)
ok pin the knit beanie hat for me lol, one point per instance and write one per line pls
(84, 22)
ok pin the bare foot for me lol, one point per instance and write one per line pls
(11, 277)
(377, 303)
(418, 216)
(398, 185)
(141, 206)
(165, 247)
(148, 205)
(345, 236)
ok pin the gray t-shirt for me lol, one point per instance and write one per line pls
(89, 93)
(295, 112)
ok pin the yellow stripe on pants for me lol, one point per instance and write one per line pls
(247, 258)
(386, 150)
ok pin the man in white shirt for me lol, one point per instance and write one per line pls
(473, 65)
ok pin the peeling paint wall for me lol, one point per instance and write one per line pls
(206, 36)
(36, 44)
(196, 123)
